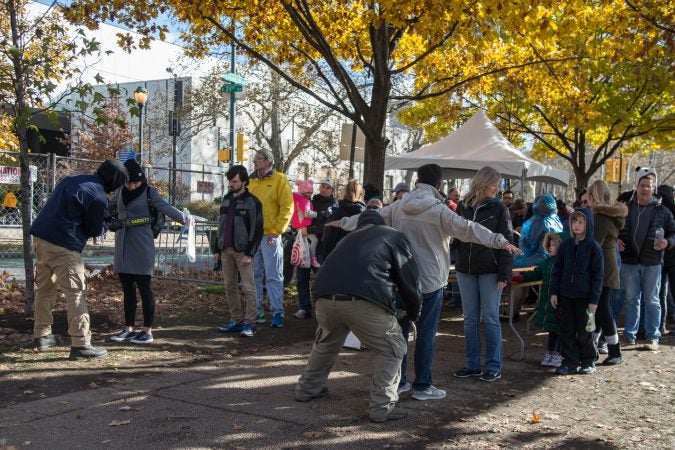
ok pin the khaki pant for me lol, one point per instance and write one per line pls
(60, 267)
(231, 261)
(377, 329)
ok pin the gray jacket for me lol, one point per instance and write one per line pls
(430, 226)
(134, 245)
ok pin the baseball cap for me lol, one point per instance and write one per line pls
(401, 187)
(328, 181)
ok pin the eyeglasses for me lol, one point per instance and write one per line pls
(507, 197)
(372, 207)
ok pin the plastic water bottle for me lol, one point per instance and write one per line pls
(658, 235)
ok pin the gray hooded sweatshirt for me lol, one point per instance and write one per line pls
(430, 225)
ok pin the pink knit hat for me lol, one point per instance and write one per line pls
(304, 186)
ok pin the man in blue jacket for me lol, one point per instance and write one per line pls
(74, 213)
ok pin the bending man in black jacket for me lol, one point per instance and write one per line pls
(365, 280)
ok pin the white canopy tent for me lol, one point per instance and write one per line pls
(475, 144)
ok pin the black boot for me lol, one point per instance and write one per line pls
(614, 357)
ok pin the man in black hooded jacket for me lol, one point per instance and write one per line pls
(74, 213)
(362, 285)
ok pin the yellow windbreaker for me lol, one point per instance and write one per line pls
(276, 197)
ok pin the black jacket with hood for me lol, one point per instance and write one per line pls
(248, 223)
(579, 265)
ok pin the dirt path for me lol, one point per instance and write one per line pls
(626, 406)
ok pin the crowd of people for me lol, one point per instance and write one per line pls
(381, 268)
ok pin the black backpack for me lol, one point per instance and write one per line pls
(157, 219)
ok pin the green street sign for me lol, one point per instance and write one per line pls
(233, 78)
(231, 88)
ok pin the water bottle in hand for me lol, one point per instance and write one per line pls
(658, 235)
(590, 322)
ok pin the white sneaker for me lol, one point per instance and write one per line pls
(430, 393)
(556, 360)
(547, 359)
(403, 388)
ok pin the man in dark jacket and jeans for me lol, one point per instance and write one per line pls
(240, 230)
(366, 279)
(74, 213)
(642, 256)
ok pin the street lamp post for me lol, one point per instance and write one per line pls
(141, 96)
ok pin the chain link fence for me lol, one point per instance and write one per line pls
(198, 190)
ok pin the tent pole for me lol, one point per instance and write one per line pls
(523, 175)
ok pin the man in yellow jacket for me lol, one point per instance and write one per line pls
(271, 187)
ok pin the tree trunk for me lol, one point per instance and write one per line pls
(26, 219)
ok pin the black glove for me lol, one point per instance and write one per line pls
(113, 222)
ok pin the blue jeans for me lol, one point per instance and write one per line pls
(425, 342)
(268, 269)
(642, 283)
(481, 297)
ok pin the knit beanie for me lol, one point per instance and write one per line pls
(305, 186)
(266, 153)
(135, 170)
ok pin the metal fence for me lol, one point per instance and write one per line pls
(170, 256)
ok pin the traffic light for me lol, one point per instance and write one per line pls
(224, 154)
(242, 147)
(615, 170)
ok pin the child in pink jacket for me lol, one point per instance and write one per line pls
(303, 214)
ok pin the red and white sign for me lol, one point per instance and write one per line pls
(12, 174)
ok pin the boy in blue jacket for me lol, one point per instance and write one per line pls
(576, 284)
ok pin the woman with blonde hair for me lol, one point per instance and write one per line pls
(482, 274)
(349, 205)
(609, 217)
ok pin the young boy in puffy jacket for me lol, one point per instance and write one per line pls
(576, 284)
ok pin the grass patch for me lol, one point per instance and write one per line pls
(213, 289)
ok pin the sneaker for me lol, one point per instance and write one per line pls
(123, 336)
(142, 338)
(403, 388)
(628, 341)
(301, 396)
(466, 373)
(86, 352)
(548, 358)
(247, 330)
(430, 393)
(602, 348)
(231, 327)
(395, 414)
(277, 320)
(651, 345)
(556, 359)
(490, 375)
(42, 343)
(260, 318)
(315, 262)
(301, 314)
(565, 370)
(587, 369)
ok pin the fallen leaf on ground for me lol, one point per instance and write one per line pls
(92, 385)
(535, 417)
(236, 426)
(314, 434)
(117, 423)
